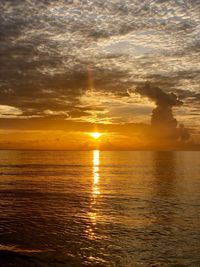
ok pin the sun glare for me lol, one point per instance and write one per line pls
(95, 135)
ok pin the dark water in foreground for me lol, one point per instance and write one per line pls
(99, 208)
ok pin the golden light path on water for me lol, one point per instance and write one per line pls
(96, 172)
(95, 192)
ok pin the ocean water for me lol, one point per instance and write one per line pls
(99, 208)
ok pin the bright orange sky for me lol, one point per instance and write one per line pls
(67, 70)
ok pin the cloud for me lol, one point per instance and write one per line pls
(163, 122)
(158, 96)
(108, 107)
(9, 112)
(47, 46)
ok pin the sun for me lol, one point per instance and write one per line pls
(95, 135)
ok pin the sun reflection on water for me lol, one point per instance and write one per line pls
(92, 214)
(96, 163)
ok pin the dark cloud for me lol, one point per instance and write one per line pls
(158, 96)
(162, 120)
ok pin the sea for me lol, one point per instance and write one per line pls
(99, 208)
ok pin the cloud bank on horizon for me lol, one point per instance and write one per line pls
(76, 60)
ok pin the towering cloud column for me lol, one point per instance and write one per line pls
(162, 120)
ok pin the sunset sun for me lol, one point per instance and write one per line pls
(96, 135)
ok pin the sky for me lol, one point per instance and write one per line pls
(69, 68)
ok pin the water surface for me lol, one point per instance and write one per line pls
(99, 208)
